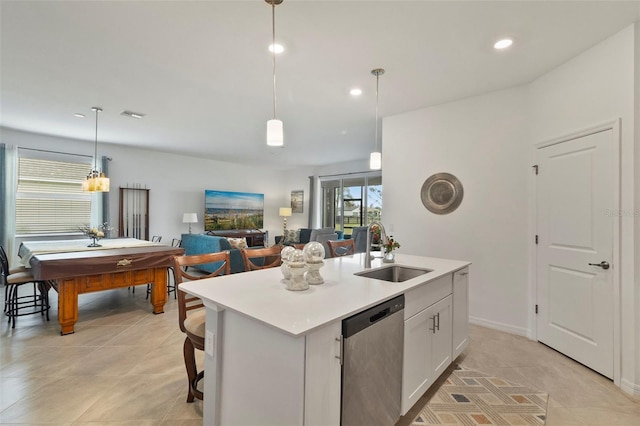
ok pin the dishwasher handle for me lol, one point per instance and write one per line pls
(377, 317)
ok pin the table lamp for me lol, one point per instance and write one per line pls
(189, 218)
(285, 212)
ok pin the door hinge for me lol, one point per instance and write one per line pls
(536, 309)
(535, 167)
(536, 239)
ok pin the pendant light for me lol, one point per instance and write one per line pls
(375, 160)
(275, 131)
(96, 181)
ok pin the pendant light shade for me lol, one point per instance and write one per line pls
(96, 181)
(375, 160)
(275, 131)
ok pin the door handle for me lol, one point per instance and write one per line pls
(604, 264)
(433, 318)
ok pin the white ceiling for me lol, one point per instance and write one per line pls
(201, 71)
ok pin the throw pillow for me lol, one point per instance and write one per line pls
(292, 236)
(237, 243)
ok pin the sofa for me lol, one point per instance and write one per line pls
(305, 235)
(200, 244)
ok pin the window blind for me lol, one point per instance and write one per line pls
(49, 197)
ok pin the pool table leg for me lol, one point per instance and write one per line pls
(159, 290)
(67, 305)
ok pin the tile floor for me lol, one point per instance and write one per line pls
(124, 365)
(578, 396)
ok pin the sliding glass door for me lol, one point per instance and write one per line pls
(351, 201)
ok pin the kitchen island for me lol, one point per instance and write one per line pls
(272, 356)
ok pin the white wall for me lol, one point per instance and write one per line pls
(596, 87)
(176, 183)
(482, 141)
(488, 143)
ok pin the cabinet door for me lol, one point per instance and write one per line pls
(322, 376)
(460, 311)
(441, 338)
(416, 371)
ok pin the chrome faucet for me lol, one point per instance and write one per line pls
(383, 240)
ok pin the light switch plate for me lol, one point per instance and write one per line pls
(209, 343)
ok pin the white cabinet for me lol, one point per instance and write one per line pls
(441, 336)
(427, 350)
(460, 311)
(323, 376)
(286, 380)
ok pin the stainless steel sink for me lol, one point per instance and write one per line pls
(393, 273)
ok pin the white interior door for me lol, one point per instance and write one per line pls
(575, 190)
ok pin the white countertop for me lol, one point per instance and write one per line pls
(262, 296)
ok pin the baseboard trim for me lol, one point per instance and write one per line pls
(629, 387)
(507, 328)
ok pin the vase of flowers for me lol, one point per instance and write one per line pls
(389, 246)
(96, 233)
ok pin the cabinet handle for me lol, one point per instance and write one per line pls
(438, 322)
(463, 274)
(341, 350)
(433, 318)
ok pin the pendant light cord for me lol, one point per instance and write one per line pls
(273, 46)
(95, 153)
(377, 81)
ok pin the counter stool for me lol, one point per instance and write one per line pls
(16, 305)
(170, 288)
(191, 312)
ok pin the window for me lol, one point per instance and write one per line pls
(349, 202)
(49, 196)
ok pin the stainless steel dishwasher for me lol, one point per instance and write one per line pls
(372, 347)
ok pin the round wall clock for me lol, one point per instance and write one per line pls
(441, 193)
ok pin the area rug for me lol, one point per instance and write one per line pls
(469, 397)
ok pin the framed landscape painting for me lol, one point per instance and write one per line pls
(232, 210)
(296, 201)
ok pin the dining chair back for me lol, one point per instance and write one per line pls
(261, 258)
(341, 247)
(156, 238)
(191, 312)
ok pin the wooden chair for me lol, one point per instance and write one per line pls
(172, 287)
(16, 305)
(191, 312)
(261, 258)
(341, 247)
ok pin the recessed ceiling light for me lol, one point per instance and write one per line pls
(77, 114)
(503, 44)
(277, 47)
(355, 92)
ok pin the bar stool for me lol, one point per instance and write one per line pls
(191, 312)
(16, 305)
(170, 288)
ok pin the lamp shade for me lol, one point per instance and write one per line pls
(190, 218)
(285, 211)
(375, 161)
(275, 133)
